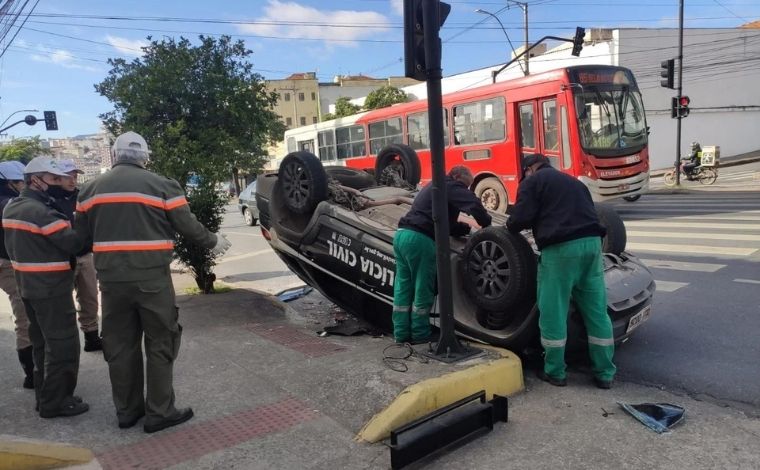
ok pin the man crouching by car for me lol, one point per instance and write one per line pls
(414, 248)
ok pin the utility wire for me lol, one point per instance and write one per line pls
(19, 28)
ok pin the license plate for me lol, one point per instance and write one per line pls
(638, 319)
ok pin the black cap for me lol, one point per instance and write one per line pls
(531, 159)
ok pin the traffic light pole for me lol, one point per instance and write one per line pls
(448, 348)
(680, 84)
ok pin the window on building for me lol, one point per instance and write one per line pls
(303, 120)
(313, 96)
(314, 120)
(288, 121)
(326, 142)
(349, 141)
(481, 121)
(418, 134)
(301, 97)
(383, 133)
(286, 96)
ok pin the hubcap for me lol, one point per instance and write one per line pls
(490, 199)
(489, 266)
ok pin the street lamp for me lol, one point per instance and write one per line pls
(19, 111)
(480, 10)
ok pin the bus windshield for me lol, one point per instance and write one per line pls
(611, 120)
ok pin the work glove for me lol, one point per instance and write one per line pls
(222, 244)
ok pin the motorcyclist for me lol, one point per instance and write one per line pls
(694, 160)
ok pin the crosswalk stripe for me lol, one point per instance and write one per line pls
(669, 286)
(701, 216)
(682, 265)
(657, 224)
(695, 236)
(690, 249)
(747, 281)
(690, 203)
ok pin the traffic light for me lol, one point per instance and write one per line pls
(683, 106)
(674, 107)
(414, 36)
(51, 122)
(668, 67)
(580, 33)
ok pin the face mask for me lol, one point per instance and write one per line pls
(57, 192)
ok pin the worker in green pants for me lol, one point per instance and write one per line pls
(414, 248)
(559, 210)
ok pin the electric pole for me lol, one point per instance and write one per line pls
(524, 7)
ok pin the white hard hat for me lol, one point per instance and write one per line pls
(68, 165)
(44, 164)
(131, 141)
(12, 171)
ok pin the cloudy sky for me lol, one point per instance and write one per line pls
(63, 48)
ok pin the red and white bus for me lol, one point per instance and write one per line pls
(588, 119)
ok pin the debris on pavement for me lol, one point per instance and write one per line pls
(293, 293)
(659, 417)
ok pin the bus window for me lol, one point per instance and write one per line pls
(383, 133)
(567, 160)
(527, 131)
(349, 141)
(417, 130)
(481, 121)
(549, 129)
(326, 142)
(291, 144)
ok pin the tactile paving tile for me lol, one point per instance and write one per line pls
(312, 346)
(191, 441)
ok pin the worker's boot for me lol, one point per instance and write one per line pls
(26, 358)
(92, 341)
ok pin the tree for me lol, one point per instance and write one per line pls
(385, 96)
(203, 111)
(23, 150)
(343, 107)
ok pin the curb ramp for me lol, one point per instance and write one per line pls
(501, 376)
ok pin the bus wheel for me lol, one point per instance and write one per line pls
(402, 159)
(616, 238)
(499, 269)
(492, 194)
(304, 182)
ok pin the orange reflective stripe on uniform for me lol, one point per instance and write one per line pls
(49, 229)
(42, 267)
(139, 245)
(131, 198)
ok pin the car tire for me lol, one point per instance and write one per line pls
(405, 161)
(351, 177)
(633, 198)
(304, 182)
(615, 240)
(250, 220)
(498, 269)
(492, 195)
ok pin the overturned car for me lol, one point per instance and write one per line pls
(334, 228)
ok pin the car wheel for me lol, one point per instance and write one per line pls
(499, 268)
(633, 198)
(616, 238)
(250, 220)
(351, 177)
(492, 194)
(402, 159)
(304, 181)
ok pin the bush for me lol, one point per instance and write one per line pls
(208, 206)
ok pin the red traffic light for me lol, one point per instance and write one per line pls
(684, 101)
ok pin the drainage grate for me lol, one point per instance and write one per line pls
(310, 345)
(192, 441)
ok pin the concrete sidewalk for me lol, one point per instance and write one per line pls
(269, 393)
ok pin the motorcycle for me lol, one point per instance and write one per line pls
(703, 174)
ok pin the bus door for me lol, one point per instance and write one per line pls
(528, 140)
(555, 133)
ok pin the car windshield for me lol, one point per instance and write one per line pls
(611, 121)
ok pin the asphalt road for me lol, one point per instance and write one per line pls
(704, 250)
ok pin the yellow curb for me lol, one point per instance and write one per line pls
(501, 376)
(20, 455)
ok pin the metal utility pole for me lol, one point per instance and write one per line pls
(524, 6)
(680, 84)
(480, 10)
